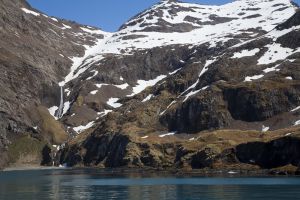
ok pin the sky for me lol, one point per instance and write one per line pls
(108, 15)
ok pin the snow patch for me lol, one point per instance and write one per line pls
(104, 113)
(295, 109)
(265, 128)
(245, 53)
(53, 110)
(30, 12)
(54, 19)
(194, 92)
(147, 98)
(113, 103)
(173, 102)
(142, 85)
(82, 128)
(271, 69)
(66, 26)
(94, 92)
(66, 107)
(67, 90)
(288, 134)
(95, 74)
(207, 64)
(297, 123)
(175, 71)
(123, 86)
(251, 78)
(64, 165)
(91, 31)
(275, 53)
(167, 134)
(100, 85)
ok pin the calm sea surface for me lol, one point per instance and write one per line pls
(89, 184)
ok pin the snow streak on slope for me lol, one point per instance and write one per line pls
(81, 64)
(82, 128)
(245, 53)
(30, 12)
(142, 84)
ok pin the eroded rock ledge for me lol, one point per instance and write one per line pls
(227, 149)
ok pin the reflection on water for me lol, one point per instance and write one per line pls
(70, 184)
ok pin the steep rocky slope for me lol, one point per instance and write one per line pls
(35, 54)
(178, 86)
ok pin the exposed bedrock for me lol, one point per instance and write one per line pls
(276, 153)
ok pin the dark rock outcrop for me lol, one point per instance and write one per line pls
(293, 21)
(208, 111)
(277, 153)
(258, 103)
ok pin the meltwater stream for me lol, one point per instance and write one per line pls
(93, 184)
(61, 104)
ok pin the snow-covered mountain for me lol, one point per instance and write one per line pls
(164, 25)
(175, 86)
(170, 25)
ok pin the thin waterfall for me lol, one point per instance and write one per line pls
(61, 104)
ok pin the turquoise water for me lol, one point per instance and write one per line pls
(90, 184)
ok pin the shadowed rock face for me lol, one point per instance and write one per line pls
(111, 147)
(197, 114)
(259, 103)
(290, 40)
(277, 153)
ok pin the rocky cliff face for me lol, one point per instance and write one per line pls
(178, 86)
(35, 54)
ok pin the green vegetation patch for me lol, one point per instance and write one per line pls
(25, 146)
